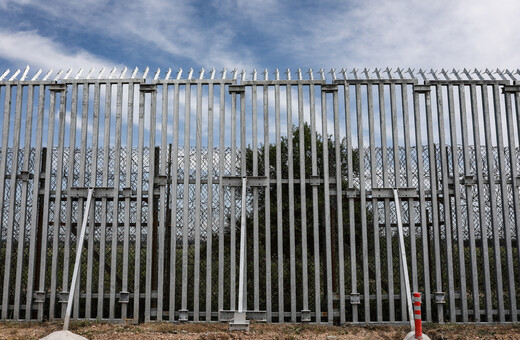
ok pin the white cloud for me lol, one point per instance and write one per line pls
(31, 48)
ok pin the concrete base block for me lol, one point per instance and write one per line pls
(63, 335)
(239, 322)
(411, 336)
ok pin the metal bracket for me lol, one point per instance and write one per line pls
(315, 180)
(252, 181)
(511, 89)
(57, 87)
(126, 192)
(469, 180)
(237, 89)
(147, 88)
(306, 315)
(99, 192)
(63, 297)
(440, 297)
(422, 88)
(329, 88)
(351, 192)
(39, 296)
(25, 175)
(389, 193)
(124, 297)
(161, 180)
(183, 315)
(355, 299)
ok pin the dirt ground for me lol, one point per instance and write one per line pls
(217, 331)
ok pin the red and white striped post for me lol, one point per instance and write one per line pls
(417, 315)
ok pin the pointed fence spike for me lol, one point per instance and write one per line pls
(235, 70)
(277, 74)
(122, 75)
(112, 72)
(145, 73)
(467, 73)
(366, 71)
(212, 73)
(490, 74)
(4, 74)
(79, 73)
(243, 75)
(478, 73)
(299, 73)
(156, 75)
(500, 74)
(179, 73)
(201, 73)
(167, 76)
(190, 73)
(24, 74)
(223, 73)
(134, 74)
(423, 75)
(410, 71)
(399, 72)
(344, 73)
(510, 74)
(266, 74)
(13, 77)
(253, 74)
(333, 73)
(354, 72)
(434, 74)
(456, 74)
(288, 74)
(311, 74)
(322, 73)
(389, 72)
(89, 73)
(445, 74)
(66, 76)
(58, 75)
(37, 74)
(100, 75)
(378, 73)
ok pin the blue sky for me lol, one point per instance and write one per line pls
(258, 34)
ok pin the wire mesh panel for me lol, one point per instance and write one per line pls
(322, 155)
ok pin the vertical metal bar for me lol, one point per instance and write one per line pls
(290, 172)
(256, 240)
(3, 168)
(35, 195)
(162, 204)
(139, 214)
(115, 212)
(93, 183)
(243, 173)
(197, 225)
(222, 150)
(128, 184)
(70, 183)
(482, 201)
(24, 199)
(81, 182)
(326, 192)
(232, 267)
(435, 208)
(458, 212)
(422, 204)
(446, 203)
(103, 227)
(78, 259)
(362, 197)
(469, 204)
(514, 185)
(397, 184)
(339, 209)
(175, 165)
(303, 203)
(505, 206)
(57, 202)
(315, 205)
(242, 268)
(409, 183)
(493, 203)
(151, 210)
(12, 199)
(351, 208)
(267, 222)
(279, 202)
(209, 228)
(388, 228)
(375, 203)
(45, 223)
(186, 177)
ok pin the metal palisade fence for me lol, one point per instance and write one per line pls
(323, 153)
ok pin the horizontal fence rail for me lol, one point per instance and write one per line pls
(322, 153)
